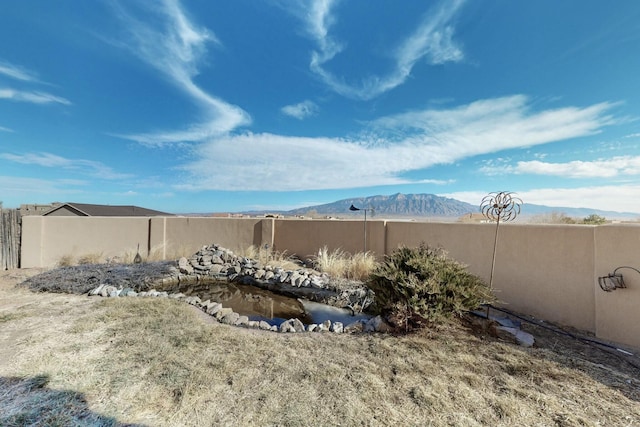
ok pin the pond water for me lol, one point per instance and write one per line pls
(260, 304)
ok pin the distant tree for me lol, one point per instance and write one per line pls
(594, 219)
(553, 218)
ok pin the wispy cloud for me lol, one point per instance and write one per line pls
(16, 72)
(48, 160)
(175, 48)
(4, 129)
(302, 110)
(604, 168)
(432, 41)
(420, 139)
(34, 97)
(18, 188)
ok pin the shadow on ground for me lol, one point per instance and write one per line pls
(28, 401)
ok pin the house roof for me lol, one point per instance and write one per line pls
(83, 209)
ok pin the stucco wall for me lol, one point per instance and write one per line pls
(45, 240)
(618, 312)
(544, 270)
(306, 237)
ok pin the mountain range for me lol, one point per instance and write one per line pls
(429, 205)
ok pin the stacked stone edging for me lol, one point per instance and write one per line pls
(228, 316)
(219, 263)
(216, 262)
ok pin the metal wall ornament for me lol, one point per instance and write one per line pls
(496, 207)
(613, 281)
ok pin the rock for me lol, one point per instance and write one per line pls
(312, 327)
(242, 321)
(253, 324)
(264, 325)
(223, 312)
(259, 274)
(132, 294)
(269, 275)
(214, 308)
(230, 318)
(337, 327)
(125, 292)
(317, 282)
(296, 279)
(518, 336)
(354, 327)
(108, 291)
(377, 324)
(292, 325)
(184, 266)
(97, 290)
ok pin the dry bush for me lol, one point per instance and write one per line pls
(91, 258)
(266, 256)
(66, 261)
(338, 263)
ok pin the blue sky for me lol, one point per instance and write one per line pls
(201, 106)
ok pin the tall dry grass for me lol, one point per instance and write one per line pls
(338, 263)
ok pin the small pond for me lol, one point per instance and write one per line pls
(260, 304)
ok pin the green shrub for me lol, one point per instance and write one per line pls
(418, 286)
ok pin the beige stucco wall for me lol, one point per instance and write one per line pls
(45, 240)
(544, 270)
(547, 271)
(305, 237)
(618, 312)
(185, 235)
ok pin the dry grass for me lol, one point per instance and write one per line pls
(268, 257)
(160, 362)
(338, 263)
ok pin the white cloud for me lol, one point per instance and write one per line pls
(49, 160)
(608, 168)
(430, 137)
(34, 97)
(176, 48)
(431, 40)
(4, 129)
(16, 72)
(301, 110)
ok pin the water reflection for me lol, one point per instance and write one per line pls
(256, 303)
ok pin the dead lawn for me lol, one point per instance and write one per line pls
(68, 359)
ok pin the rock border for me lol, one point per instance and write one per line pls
(227, 316)
(214, 262)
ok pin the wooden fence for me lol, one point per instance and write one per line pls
(9, 238)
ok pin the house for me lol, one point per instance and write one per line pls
(83, 209)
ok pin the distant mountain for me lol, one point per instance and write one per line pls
(397, 205)
(429, 205)
(532, 210)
